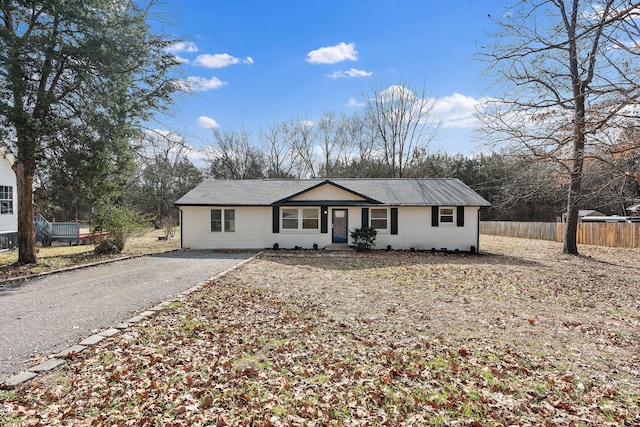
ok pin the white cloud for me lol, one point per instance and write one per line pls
(353, 103)
(457, 111)
(181, 59)
(307, 122)
(207, 122)
(201, 84)
(220, 60)
(333, 54)
(189, 47)
(350, 73)
(396, 92)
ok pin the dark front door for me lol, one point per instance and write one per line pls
(340, 225)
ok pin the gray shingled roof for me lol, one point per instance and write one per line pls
(393, 192)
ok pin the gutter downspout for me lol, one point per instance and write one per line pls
(477, 237)
(180, 219)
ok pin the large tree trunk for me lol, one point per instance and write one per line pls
(26, 227)
(571, 232)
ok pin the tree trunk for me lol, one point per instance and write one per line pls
(571, 232)
(26, 226)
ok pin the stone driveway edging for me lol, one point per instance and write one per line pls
(59, 359)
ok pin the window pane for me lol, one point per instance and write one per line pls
(289, 213)
(446, 211)
(230, 220)
(379, 224)
(379, 213)
(310, 224)
(290, 219)
(379, 219)
(310, 213)
(290, 224)
(216, 220)
(310, 219)
(6, 199)
(446, 218)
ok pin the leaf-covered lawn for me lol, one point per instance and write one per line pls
(518, 336)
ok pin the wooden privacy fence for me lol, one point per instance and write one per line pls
(619, 235)
(526, 230)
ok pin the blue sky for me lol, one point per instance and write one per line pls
(252, 63)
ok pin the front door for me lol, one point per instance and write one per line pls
(340, 225)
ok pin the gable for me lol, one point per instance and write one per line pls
(327, 192)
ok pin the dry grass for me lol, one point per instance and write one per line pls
(56, 257)
(520, 335)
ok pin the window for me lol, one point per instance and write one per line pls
(300, 219)
(310, 219)
(226, 217)
(289, 219)
(446, 215)
(229, 220)
(378, 219)
(6, 199)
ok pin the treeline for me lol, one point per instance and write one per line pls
(158, 169)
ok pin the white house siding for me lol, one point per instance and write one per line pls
(249, 234)
(254, 230)
(415, 231)
(305, 238)
(327, 192)
(9, 222)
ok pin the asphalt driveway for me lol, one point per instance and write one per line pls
(46, 315)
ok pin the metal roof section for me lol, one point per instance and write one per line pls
(391, 191)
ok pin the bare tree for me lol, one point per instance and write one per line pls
(301, 137)
(233, 156)
(403, 120)
(279, 155)
(333, 139)
(569, 74)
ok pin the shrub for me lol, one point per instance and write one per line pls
(120, 222)
(364, 238)
(106, 247)
(315, 246)
(276, 246)
(169, 224)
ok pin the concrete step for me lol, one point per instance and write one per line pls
(338, 247)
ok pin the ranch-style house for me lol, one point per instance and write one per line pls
(407, 213)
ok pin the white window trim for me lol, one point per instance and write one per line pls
(453, 215)
(223, 219)
(381, 230)
(300, 220)
(8, 201)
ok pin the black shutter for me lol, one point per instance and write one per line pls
(276, 219)
(394, 220)
(365, 217)
(460, 216)
(435, 211)
(324, 219)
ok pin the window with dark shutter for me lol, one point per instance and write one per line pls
(365, 217)
(435, 212)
